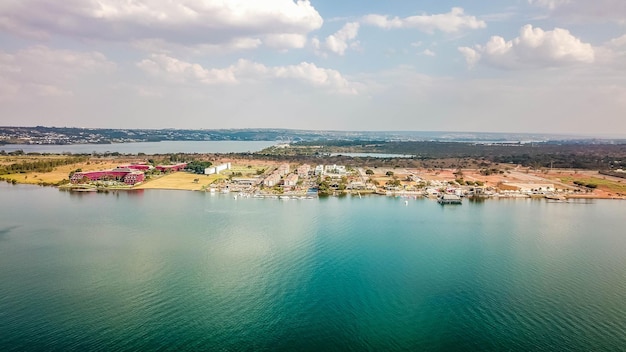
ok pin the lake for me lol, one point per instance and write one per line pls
(165, 147)
(177, 270)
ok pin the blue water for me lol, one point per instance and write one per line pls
(146, 147)
(176, 270)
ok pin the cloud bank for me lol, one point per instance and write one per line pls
(275, 23)
(450, 22)
(533, 48)
(46, 72)
(177, 71)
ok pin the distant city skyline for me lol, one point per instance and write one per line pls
(516, 66)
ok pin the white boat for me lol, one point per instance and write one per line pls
(448, 198)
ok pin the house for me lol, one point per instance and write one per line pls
(283, 169)
(291, 180)
(303, 170)
(335, 169)
(272, 180)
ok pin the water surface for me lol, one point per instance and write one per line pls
(176, 270)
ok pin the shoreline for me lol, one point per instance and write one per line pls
(250, 176)
(565, 199)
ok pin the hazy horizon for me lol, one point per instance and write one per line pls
(544, 66)
(414, 133)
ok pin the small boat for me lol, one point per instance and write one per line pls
(555, 197)
(449, 199)
(83, 190)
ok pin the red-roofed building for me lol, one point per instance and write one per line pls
(142, 167)
(171, 168)
(126, 175)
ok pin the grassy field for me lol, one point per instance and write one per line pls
(245, 170)
(180, 181)
(603, 184)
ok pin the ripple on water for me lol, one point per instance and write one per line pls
(212, 273)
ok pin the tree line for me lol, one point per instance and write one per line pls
(40, 165)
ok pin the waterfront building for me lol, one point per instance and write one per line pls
(527, 188)
(357, 185)
(126, 175)
(272, 180)
(291, 180)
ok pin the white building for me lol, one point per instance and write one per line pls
(303, 170)
(216, 169)
(272, 180)
(291, 180)
(283, 169)
(335, 169)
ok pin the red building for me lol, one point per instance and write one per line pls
(126, 175)
(142, 167)
(171, 168)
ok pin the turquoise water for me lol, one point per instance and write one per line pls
(175, 270)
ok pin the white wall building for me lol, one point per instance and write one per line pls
(291, 180)
(216, 169)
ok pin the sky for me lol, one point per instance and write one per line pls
(541, 66)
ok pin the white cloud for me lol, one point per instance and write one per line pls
(618, 42)
(279, 23)
(177, 71)
(533, 48)
(428, 52)
(450, 22)
(471, 56)
(42, 71)
(613, 54)
(181, 71)
(285, 41)
(338, 42)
